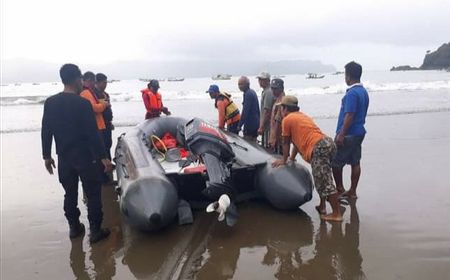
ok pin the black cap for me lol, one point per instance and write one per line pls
(277, 83)
(153, 84)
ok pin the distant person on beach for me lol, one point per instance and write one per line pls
(275, 143)
(101, 82)
(153, 101)
(81, 154)
(350, 129)
(228, 111)
(250, 110)
(315, 147)
(267, 101)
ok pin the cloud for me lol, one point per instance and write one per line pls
(104, 32)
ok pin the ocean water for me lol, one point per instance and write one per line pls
(390, 93)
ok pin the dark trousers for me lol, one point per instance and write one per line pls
(107, 140)
(233, 128)
(90, 172)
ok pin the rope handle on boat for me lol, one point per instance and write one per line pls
(163, 154)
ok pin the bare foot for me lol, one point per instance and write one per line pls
(322, 211)
(349, 194)
(332, 217)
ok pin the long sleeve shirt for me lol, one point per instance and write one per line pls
(70, 120)
(250, 112)
(96, 106)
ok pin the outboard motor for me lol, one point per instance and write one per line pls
(207, 142)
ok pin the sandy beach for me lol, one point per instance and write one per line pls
(397, 229)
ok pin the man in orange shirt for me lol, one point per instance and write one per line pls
(228, 111)
(315, 148)
(98, 105)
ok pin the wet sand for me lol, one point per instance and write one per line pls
(397, 229)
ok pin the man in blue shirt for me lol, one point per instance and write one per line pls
(350, 129)
(250, 110)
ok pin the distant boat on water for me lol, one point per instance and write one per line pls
(144, 80)
(278, 76)
(17, 84)
(314, 76)
(113, 81)
(338, 73)
(175, 79)
(35, 84)
(221, 77)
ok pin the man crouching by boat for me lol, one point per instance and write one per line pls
(153, 101)
(315, 147)
(70, 119)
(228, 111)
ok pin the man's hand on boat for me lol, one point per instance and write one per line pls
(108, 165)
(166, 111)
(278, 162)
(49, 165)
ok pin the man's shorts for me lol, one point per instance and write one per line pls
(322, 155)
(349, 153)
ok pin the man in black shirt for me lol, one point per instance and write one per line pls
(70, 119)
(99, 90)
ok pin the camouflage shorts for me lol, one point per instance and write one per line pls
(322, 156)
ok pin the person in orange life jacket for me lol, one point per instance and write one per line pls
(153, 101)
(102, 95)
(99, 106)
(228, 111)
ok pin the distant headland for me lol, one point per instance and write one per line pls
(437, 60)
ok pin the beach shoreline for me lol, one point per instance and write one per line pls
(398, 233)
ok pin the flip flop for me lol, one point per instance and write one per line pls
(324, 217)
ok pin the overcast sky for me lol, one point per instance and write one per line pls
(378, 34)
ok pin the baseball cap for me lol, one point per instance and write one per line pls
(154, 84)
(289, 100)
(277, 83)
(213, 88)
(263, 75)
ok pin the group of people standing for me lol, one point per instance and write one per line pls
(279, 122)
(80, 120)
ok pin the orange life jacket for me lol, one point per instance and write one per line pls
(152, 102)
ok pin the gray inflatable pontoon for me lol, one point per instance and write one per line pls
(155, 187)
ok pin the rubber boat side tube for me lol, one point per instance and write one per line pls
(149, 200)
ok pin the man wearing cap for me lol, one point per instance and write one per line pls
(153, 101)
(250, 110)
(277, 86)
(315, 148)
(228, 111)
(267, 101)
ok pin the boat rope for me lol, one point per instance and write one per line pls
(162, 153)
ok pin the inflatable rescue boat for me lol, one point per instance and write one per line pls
(167, 166)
